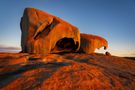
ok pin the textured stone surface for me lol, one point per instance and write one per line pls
(44, 33)
(70, 71)
(89, 43)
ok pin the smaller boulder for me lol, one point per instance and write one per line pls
(107, 54)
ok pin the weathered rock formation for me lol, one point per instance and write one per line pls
(71, 71)
(44, 33)
(89, 43)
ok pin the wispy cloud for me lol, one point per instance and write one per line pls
(133, 54)
(4, 48)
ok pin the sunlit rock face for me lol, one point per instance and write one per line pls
(44, 33)
(89, 43)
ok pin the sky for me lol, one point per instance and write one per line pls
(112, 19)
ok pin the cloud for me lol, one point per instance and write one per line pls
(9, 49)
(133, 53)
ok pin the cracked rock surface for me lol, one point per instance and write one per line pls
(67, 71)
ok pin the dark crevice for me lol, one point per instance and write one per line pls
(65, 45)
(48, 28)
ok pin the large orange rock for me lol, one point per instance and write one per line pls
(44, 33)
(89, 43)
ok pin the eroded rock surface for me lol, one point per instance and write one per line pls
(71, 71)
(44, 33)
(89, 43)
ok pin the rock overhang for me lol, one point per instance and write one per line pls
(44, 33)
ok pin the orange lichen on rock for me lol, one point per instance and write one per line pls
(69, 71)
(44, 33)
(89, 43)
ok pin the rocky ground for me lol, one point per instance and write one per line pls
(71, 71)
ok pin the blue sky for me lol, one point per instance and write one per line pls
(111, 19)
